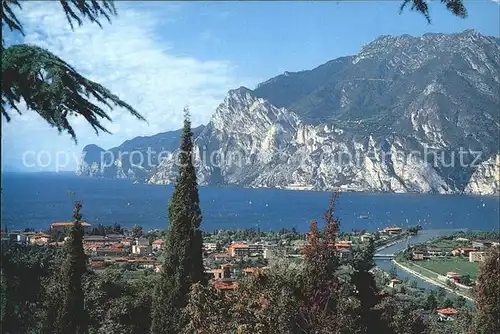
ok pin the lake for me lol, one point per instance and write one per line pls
(37, 199)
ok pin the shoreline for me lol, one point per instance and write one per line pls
(431, 281)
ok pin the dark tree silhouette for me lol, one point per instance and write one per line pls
(46, 83)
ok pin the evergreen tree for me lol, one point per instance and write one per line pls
(488, 294)
(71, 317)
(183, 264)
(46, 83)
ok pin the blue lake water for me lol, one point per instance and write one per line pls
(37, 199)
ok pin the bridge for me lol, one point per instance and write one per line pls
(383, 256)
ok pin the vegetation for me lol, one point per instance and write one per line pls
(183, 264)
(67, 314)
(488, 294)
(50, 86)
(458, 265)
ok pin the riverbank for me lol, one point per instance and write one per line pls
(431, 281)
(392, 243)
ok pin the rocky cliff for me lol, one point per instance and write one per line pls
(406, 114)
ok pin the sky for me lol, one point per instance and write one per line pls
(161, 56)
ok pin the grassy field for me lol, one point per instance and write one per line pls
(442, 266)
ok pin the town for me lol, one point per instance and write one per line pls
(227, 255)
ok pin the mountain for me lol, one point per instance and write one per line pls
(131, 159)
(406, 114)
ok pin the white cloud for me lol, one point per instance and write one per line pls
(130, 58)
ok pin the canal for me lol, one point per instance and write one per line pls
(421, 237)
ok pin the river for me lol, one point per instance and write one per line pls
(421, 237)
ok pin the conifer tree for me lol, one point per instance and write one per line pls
(71, 317)
(488, 294)
(46, 83)
(183, 264)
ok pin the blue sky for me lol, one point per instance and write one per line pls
(161, 56)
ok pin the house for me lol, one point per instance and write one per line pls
(251, 270)
(393, 282)
(93, 238)
(462, 251)
(157, 245)
(40, 239)
(64, 226)
(255, 249)
(141, 249)
(271, 253)
(144, 262)
(126, 242)
(22, 238)
(141, 242)
(226, 284)
(209, 247)
(462, 239)
(219, 273)
(345, 254)
(477, 256)
(483, 244)
(392, 230)
(111, 251)
(417, 255)
(366, 237)
(237, 250)
(114, 238)
(446, 314)
(222, 256)
(454, 277)
(97, 262)
(432, 251)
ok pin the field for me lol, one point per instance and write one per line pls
(442, 266)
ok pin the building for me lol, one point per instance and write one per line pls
(484, 244)
(392, 230)
(366, 237)
(454, 277)
(462, 251)
(158, 245)
(393, 282)
(226, 284)
(417, 255)
(209, 247)
(238, 250)
(94, 238)
(40, 239)
(111, 251)
(141, 249)
(446, 314)
(64, 226)
(345, 254)
(222, 256)
(272, 253)
(255, 249)
(141, 242)
(126, 242)
(477, 256)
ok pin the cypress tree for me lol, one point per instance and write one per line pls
(183, 264)
(71, 317)
(487, 294)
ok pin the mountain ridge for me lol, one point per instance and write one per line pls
(399, 95)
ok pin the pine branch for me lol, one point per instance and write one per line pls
(75, 10)
(455, 6)
(52, 88)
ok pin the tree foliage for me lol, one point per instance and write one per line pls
(487, 294)
(46, 83)
(455, 6)
(183, 264)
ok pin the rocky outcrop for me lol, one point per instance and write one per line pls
(406, 114)
(486, 178)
